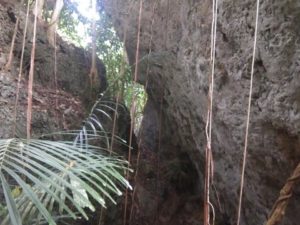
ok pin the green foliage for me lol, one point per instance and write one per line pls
(55, 177)
(69, 23)
(110, 50)
(119, 73)
(43, 181)
(2, 210)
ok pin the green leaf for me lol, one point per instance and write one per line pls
(15, 217)
(46, 171)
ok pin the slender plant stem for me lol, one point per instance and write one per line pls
(31, 75)
(20, 70)
(248, 118)
(133, 105)
(142, 127)
(208, 129)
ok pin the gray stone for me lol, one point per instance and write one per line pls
(178, 70)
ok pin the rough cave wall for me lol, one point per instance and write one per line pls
(174, 58)
(53, 110)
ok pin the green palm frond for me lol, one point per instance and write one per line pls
(99, 121)
(55, 177)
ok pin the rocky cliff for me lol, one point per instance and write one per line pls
(56, 105)
(175, 63)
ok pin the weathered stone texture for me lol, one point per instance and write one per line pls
(177, 34)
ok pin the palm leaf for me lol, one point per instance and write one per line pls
(96, 122)
(53, 176)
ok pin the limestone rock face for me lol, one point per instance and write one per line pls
(175, 62)
(53, 109)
